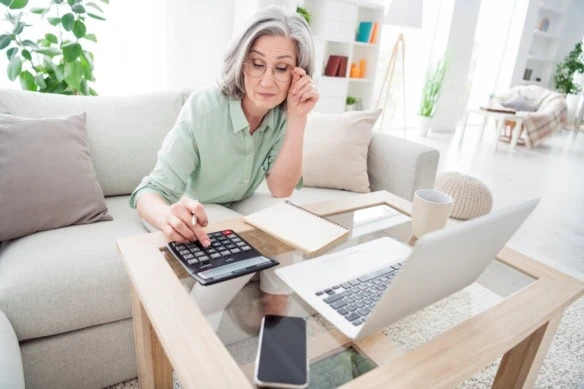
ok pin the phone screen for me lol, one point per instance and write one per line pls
(282, 354)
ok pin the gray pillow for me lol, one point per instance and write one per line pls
(519, 103)
(47, 178)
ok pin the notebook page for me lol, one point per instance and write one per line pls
(296, 227)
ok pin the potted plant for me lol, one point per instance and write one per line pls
(304, 13)
(351, 103)
(430, 92)
(58, 61)
(568, 77)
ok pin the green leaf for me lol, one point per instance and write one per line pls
(11, 52)
(79, 29)
(78, 9)
(57, 1)
(27, 81)
(71, 52)
(87, 67)
(73, 2)
(15, 4)
(29, 43)
(94, 6)
(91, 37)
(18, 27)
(40, 81)
(67, 21)
(105, 1)
(14, 68)
(57, 88)
(92, 92)
(54, 21)
(5, 40)
(95, 16)
(50, 51)
(37, 10)
(84, 89)
(51, 38)
(73, 74)
(26, 54)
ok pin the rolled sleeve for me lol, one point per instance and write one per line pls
(177, 159)
(271, 158)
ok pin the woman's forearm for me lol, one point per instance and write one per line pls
(151, 208)
(287, 168)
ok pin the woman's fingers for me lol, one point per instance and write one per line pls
(181, 228)
(305, 89)
(198, 210)
(308, 96)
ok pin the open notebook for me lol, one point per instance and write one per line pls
(297, 227)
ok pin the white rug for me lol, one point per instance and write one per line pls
(562, 368)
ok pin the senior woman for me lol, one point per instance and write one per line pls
(231, 136)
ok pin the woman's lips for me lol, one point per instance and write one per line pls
(267, 95)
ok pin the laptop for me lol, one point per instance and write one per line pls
(364, 288)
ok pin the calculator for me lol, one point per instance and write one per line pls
(228, 256)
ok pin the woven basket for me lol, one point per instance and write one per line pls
(472, 198)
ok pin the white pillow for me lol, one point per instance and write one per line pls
(335, 150)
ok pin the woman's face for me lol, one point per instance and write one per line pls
(268, 71)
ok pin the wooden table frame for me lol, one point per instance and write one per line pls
(172, 334)
(515, 133)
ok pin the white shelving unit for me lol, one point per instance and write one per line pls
(543, 47)
(334, 25)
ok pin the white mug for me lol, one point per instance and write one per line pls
(430, 211)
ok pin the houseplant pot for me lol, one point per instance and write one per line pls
(423, 125)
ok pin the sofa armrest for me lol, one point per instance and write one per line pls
(400, 166)
(11, 375)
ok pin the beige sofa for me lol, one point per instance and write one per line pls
(66, 292)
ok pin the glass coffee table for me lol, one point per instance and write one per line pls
(512, 311)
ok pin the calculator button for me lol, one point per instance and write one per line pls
(225, 252)
(211, 251)
(215, 255)
(199, 253)
(203, 258)
(240, 244)
(188, 256)
(180, 247)
(192, 261)
(184, 252)
(235, 251)
(230, 246)
(227, 232)
(245, 248)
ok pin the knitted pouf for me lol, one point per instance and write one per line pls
(472, 198)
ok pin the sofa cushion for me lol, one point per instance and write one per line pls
(69, 278)
(46, 175)
(124, 132)
(262, 198)
(11, 375)
(335, 150)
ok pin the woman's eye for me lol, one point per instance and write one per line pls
(282, 69)
(258, 65)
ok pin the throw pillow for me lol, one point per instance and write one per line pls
(47, 178)
(335, 150)
(519, 103)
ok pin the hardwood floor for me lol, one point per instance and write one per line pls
(554, 171)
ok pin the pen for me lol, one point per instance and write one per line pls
(194, 219)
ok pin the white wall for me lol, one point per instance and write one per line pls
(452, 100)
(199, 32)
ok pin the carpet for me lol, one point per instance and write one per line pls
(562, 368)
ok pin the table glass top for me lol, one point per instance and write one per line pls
(238, 325)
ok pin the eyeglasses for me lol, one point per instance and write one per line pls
(282, 73)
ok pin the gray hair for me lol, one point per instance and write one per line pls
(271, 21)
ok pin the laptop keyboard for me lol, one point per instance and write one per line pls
(355, 299)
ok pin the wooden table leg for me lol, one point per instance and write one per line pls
(154, 369)
(520, 365)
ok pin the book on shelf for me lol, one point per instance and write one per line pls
(298, 227)
(343, 67)
(332, 66)
(374, 33)
(364, 32)
(336, 66)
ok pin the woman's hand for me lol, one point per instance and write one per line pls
(177, 222)
(302, 95)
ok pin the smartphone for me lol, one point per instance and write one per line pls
(282, 359)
